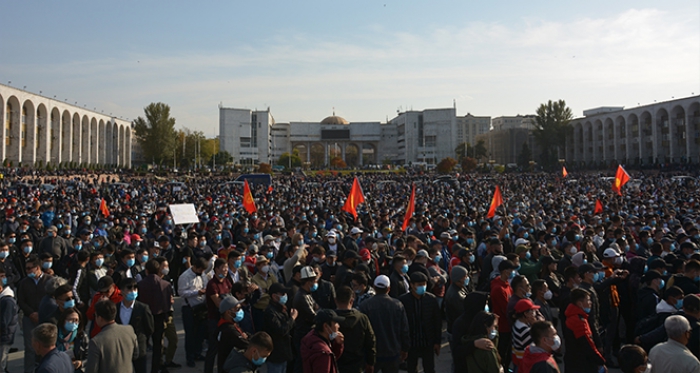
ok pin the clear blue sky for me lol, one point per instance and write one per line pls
(365, 58)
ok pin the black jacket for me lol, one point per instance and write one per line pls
(279, 325)
(360, 343)
(324, 295)
(306, 306)
(454, 304)
(685, 283)
(423, 313)
(398, 286)
(230, 338)
(142, 323)
(647, 299)
(389, 323)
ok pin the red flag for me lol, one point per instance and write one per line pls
(269, 190)
(563, 171)
(495, 202)
(103, 208)
(248, 202)
(354, 198)
(621, 178)
(598, 207)
(410, 208)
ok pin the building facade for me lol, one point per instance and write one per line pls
(415, 136)
(470, 126)
(665, 132)
(38, 130)
(505, 141)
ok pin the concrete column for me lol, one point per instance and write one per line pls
(689, 135)
(655, 139)
(308, 152)
(342, 151)
(671, 137)
(326, 157)
(616, 142)
(628, 153)
(361, 145)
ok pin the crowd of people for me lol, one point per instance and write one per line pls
(90, 269)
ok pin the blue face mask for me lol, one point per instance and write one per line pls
(493, 334)
(470, 241)
(4, 254)
(466, 281)
(650, 241)
(662, 284)
(259, 361)
(69, 303)
(528, 295)
(577, 237)
(587, 310)
(437, 259)
(46, 265)
(284, 299)
(130, 262)
(528, 255)
(239, 316)
(237, 263)
(314, 287)
(420, 290)
(70, 326)
(526, 235)
(99, 262)
(144, 258)
(12, 240)
(4, 281)
(131, 296)
(472, 258)
(517, 268)
(679, 304)
(512, 275)
(404, 269)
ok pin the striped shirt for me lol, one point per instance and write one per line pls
(521, 339)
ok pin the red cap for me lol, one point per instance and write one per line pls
(524, 305)
(365, 255)
(136, 237)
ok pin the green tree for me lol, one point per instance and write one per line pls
(525, 157)
(468, 164)
(295, 161)
(156, 133)
(467, 150)
(551, 129)
(221, 158)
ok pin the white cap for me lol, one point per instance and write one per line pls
(330, 234)
(381, 282)
(269, 237)
(521, 241)
(610, 253)
(355, 230)
(422, 252)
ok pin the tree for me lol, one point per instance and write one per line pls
(284, 159)
(446, 165)
(337, 162)
(468, 164)
(551, 129)
(264, 168)
(221, 158)
(156, 133)
(525, 157)
(467, 150)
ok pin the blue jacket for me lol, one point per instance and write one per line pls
(56, 362)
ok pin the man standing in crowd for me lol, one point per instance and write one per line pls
(115, 347)
(279, 324)
(322, 346)
(192, 286)
(673, 355)
(43, 339)
(424, 324)
(138, 315)
(158, 295)
(30, 291)
(360, 351)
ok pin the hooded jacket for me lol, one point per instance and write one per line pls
(318, 355)
(582, 355)
(360, 341)
(482, 361)
(537, 360)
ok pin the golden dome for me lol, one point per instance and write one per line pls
(333, 119)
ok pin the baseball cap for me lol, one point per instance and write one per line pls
(586, 268)
(325, 316)
(104, 284)
(365, 254)
(355, 230)
(524, 305)
(52, 229)
(422, 252)
(330, 234)
(350, 254)
(277, 288)
(610, 253)
(268, 238)
(382, 282)
(418, 277)
(521, 241)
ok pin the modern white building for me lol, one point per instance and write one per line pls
(38, 130)
(664, 132)
(470, 126)
(414, 136)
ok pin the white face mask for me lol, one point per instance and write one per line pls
(265, 269)
(331, 240)
(573, 250)
(557, 343)
(548, 295)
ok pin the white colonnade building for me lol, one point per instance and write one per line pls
(38, 130)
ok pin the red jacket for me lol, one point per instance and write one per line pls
(115, 298)
(500, 293)
(537, 361)
(319, 355)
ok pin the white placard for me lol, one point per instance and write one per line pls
(184, 213)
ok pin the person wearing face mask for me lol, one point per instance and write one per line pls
(260, 346)
(525, 314)
(521, 290)
(484, 325)
(542, 296)
(137, 314)
(324, 296)
(332, 244)
(158, 295)
(324, 345)
(237, 272)
(279, 323)
(424, 324)
(230, 334)
(688, 280)
(591, 276)
(116, 347)
(360, 347)
(170, 331)
(609, 297)
(674, 355)
(263, 278)
(400, 282)
(538, 357)
(8, 319)
(30, 292)
(455, 295)
(582, 354)
(217, 288)
(192, 286)
(54, 245)
(305, 304)
(6, 264)
(298, 255)
(648, 295)
(96, 269)
(127, 266)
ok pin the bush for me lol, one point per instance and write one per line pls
(446, 165)
(265, 168)
(468, 164)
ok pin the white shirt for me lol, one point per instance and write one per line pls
(189, 285)
(672, 356)
(125, 312)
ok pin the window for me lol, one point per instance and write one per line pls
(420, 130)
(254, 131)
